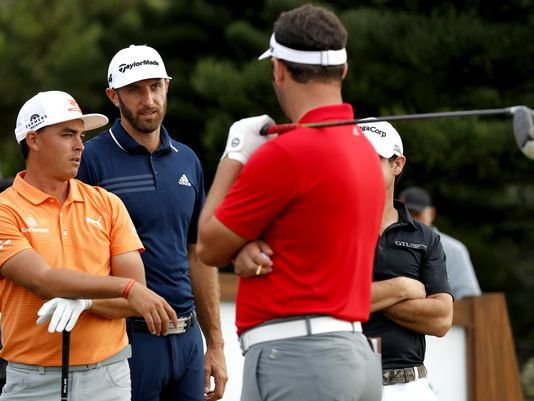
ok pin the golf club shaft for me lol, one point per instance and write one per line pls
(65, 356)
(281, 128)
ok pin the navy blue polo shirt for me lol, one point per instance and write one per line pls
(406, 248)
(163, 192)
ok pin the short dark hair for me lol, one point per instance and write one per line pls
(311, 28)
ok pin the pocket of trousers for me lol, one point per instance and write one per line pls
(17, 380)
(118, 374)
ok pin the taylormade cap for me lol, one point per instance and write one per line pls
(133, 64)
(384, 138)
(53, 107)
(314, 57)
(416, 199)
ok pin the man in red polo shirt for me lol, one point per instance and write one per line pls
(316, 197)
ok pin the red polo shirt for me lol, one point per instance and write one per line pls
(316, 196)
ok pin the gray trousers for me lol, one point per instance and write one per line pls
(328, 367)
(106, 383)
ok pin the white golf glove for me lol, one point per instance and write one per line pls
(64, 313)
(244, 137)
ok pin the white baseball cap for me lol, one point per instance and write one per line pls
(384, 138)
(53, 107)
(133, 64)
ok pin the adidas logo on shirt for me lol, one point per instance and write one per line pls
(184, 181)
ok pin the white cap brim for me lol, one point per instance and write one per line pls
(94, 121)
(265, 55)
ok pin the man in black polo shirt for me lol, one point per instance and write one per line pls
(410, 294)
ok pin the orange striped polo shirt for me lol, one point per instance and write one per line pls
(83, 234)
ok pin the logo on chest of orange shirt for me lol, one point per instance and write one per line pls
(32, 226)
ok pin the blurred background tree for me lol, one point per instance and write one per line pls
(406, 56)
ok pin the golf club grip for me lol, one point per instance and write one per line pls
(65, 356)
(277, 128)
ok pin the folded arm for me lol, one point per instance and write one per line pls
(431, 315)
(389, 292)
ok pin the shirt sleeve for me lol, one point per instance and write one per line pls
(123, 234)
(434, 270)
(462, 275)
(267, 183)
(12, 241)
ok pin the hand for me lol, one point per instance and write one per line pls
(413, 289)
(214, 366)
(254, 259)
(244, 137)
(64, 313)
(154, 309)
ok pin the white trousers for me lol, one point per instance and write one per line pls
(418, 390)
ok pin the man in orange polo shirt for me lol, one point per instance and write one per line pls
(67, 242)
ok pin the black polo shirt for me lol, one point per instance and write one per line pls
(406, 248)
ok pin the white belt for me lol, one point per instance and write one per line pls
(305, 326)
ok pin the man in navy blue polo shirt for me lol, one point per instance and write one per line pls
(161, 183)
(410, 294)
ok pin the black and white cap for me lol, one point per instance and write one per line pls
(384, 138)
(133, 64)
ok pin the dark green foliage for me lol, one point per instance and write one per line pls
(406, 56)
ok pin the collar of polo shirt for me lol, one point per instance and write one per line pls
(314, 57)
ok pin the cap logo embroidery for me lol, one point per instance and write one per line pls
(35, 120)
(373, 129)
(74, 106)
(124, 67)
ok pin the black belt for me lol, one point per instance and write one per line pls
(185, 322)
(403, 375)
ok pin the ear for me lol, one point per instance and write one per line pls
(32, 140)
(112, 95)
(345, 70)
(279, 71)
(399, 163)
(167, 83)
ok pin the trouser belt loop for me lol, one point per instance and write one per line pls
(308, 325)
(41, 370)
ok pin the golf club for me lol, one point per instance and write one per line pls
(65, 356)
(523, 123)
